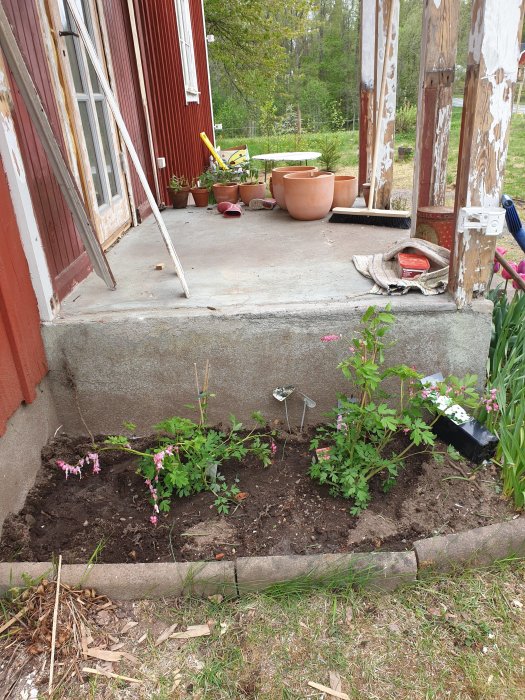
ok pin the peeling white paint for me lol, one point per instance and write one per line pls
(437, 3)
(441, 143)
(22, 204)
(500, 36)
(368, 31)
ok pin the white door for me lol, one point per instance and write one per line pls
(96, 133)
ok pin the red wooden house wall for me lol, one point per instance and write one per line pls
(22, 357)
(127, 88)
(176, 125)
(68, 263)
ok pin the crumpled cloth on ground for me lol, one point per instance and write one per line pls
(381, 268)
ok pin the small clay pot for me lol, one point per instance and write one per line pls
(309, 195)
(179, 199)
(200, 196)
(277, 184)
(251, 190)
(228, 192)
(345, 191)
(366, 192)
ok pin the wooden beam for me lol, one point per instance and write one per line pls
(487, 109)
(386, 121)
(367, 29)
(439, 41)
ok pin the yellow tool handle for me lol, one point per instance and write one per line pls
(213, 151)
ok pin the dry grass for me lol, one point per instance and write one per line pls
(458, 637)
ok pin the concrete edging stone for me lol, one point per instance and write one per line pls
(382, 571)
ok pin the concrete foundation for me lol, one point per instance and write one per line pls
(27, 432)
(265, 289)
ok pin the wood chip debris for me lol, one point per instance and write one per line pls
(335, 681)
(193, 631)
(128, 626)
(166, 634)
(329, 691)
(109, 674)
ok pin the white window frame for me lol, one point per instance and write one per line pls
(187, 50)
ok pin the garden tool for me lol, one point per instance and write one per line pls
(307, 403)
(513, 221)
(281, 393)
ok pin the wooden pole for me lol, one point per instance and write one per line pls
(386, 121)
(366, 92)
(487, 109)
(439, 41)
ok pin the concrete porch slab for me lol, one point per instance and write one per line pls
(264, 258)
(265, 289)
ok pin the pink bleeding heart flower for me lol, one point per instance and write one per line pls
(153, 519)
(330, 338)
(505, 274)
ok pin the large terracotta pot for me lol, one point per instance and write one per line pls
(345, 191)
(277, 183)
(251, 190)
(228, 192)
(309, 195)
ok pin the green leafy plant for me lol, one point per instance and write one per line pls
(178, 183)
(506, 377)
(370, 433)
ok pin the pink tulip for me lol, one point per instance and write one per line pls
(521, 267)
(515, 284)
(505, 274)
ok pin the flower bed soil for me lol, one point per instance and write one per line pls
(285, 512)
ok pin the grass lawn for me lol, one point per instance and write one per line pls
(459, 637)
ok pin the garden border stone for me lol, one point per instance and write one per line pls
(383, 571)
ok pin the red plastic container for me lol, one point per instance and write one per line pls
(410, 265)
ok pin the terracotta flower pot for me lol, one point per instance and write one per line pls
(345, 191)
(249, 190)
(200, 196)
(228, 192)
(309, 195)
(179, 199)
(277, 183)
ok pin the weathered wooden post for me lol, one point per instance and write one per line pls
(439, 41)
(367, 28)
(386, 121)
(487, 108)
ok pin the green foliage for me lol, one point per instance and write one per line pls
(331, 151)
(406, 118)
(506, 374)
(364, 434)
(191, 457)
(177, 183)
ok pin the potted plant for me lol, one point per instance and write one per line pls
(178, 191)
(226, 187)
(200, 192)
(249, 186)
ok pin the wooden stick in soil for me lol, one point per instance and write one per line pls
(512, 272)
(54, 631)
(198, 392)
(14, 619)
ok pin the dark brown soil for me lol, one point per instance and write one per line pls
(285, 512)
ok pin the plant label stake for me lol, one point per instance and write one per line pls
(307, 403)
(281, 393)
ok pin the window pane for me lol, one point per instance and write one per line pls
(90, 145)
(103, 126)
(73, 62)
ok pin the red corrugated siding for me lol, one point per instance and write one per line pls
(22, 357)
(128, 92)
(176, 125)
(68, 263)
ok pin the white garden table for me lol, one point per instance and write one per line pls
(292, 157)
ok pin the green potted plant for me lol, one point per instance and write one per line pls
(178, 191)
(226, 186)
(249, 186)
(200, 192)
